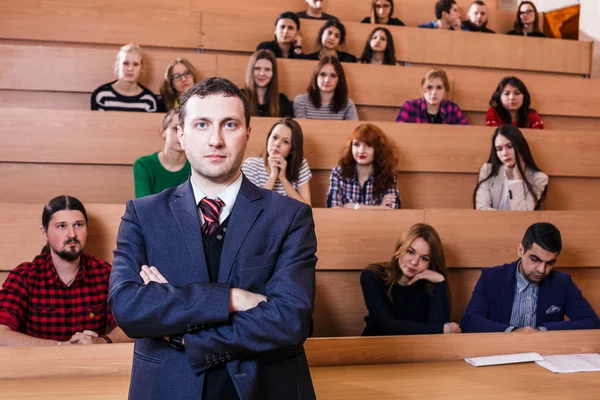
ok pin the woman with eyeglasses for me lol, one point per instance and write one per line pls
(126, 93)
(528, 21)
(382, 12)
(179, 77)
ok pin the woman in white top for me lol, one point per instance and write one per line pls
(282, 167)
(510, 180)
(327, 96)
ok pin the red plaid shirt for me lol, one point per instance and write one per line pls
(34, 301)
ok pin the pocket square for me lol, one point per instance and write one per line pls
(552, 310)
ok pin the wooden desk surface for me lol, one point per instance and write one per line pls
(439, 380)
(452, 380)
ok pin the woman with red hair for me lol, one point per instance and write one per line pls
(366, 174)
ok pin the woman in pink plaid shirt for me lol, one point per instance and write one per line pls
(432, 108)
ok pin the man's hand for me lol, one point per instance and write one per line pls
(85, 337)
(242, 300)
(526, 329)
(151, 274)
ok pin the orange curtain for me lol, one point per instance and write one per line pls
(563, 23)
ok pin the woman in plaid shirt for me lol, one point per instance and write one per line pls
(366, 174)
(432, 108)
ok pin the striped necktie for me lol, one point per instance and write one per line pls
(210, 211)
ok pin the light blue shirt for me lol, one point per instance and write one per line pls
(524, 307)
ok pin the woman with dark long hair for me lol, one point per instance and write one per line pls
(510, 180)
(366, 174)
(511, 104)
(382, 12)
(282, 166)
(327, 96)
(332, 36)
(379, 48)
(527, 22)
(409, 295)
(262, 87)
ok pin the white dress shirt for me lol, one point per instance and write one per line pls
(228, 195)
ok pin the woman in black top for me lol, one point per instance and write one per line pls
(382, 12)
(409, 295)
(262, 87)
(528, 21)
(332, 36)
(379, 48)
(288, 42)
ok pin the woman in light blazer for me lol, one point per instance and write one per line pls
(510, 180)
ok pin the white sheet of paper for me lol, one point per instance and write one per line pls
(570, 363)
(504, 359)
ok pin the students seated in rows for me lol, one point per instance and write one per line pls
(332, 36)
(409, 295)
(510, 104)
(379, 48)
(327, 96)
(477, 18)
(126, 93)
(161, 170)
(447, 16)
(282, 167)
(510, 180)
(288, 41)
(180, 75)
(529, 295)
(60, 297)
(365, 177)
(315, 11)
(432, 108)
(262, 87)
(527, 22)
(382, 12)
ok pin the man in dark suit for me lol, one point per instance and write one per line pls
(528, 295)
(216, 277)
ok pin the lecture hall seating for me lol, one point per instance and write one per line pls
(90, 154)
(350, 240)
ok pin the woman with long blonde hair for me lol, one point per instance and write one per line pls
(409, 295)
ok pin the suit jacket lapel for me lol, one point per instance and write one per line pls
(245, 211)
(509, 285)
(183, 207)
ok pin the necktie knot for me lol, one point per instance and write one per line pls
(210, 208)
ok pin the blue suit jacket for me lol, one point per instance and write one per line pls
(491, 304)
(269, 248)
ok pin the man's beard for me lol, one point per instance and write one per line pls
(67, 254)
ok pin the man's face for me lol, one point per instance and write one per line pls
(316, 4)
(536, 263)
(478, 15)
(66, 234)
(214, 137)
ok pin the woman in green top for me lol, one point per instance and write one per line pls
(161, 170)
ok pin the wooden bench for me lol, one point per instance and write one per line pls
(90, 154)
(89, 23)
(349, 368)
(349, 240)
(27, 83)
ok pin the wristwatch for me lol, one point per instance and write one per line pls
(356, 206)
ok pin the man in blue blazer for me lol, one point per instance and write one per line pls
(528, 295)
(216, 277)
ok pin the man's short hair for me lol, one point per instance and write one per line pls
(478, 3)
(443, 5)
(211, 86)
(545, 235)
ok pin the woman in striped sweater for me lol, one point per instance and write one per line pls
(282, 167)
(327, 96)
